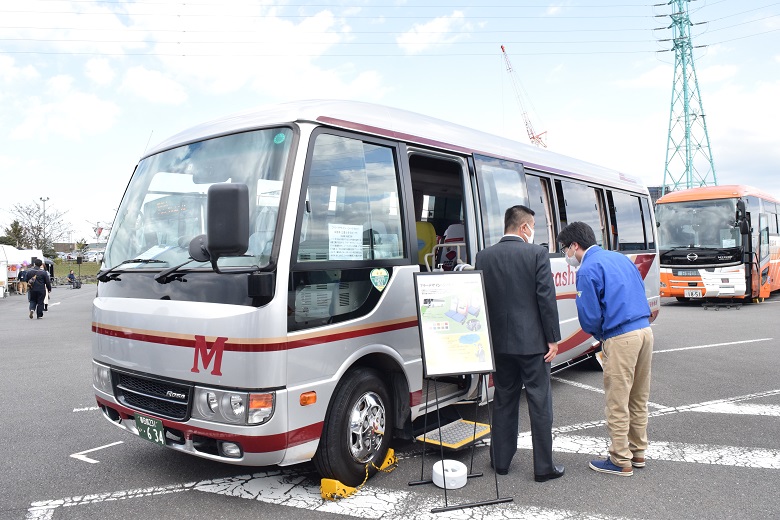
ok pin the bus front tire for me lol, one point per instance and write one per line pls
(357, 429)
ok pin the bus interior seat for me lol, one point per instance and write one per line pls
(263, 234)
(455, 233)
(426, 239)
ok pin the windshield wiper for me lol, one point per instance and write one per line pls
(168, 276)
(111, 275)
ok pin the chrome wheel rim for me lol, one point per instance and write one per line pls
(366, 427)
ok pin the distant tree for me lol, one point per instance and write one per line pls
(15, 236)
(82, 246)
(41, 231)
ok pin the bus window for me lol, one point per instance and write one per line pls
(626, 215)
(649, 228)
(501, 186)
(350, 216)
(539, 202)
(351, 210)
(578, 202)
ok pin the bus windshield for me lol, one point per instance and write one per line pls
(706, 224)
(164, 206)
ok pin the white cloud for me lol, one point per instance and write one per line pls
(439, 31)
(100, 71)
(61, 110)
(153, 86)
(10, 72)
(716, 73)
(659, 76)
(65, 112)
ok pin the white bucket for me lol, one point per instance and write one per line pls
(455, 472)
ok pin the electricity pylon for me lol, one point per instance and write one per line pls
(688, 154)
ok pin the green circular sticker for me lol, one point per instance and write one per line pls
(279, 138)
(379, 278)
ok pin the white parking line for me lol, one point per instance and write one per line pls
(598, 390)
(301, 490)
(713, 345)
(739, 456)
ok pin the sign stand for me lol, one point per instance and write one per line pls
(453, 334)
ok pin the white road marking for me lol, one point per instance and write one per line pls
(297, 489)
(81, 455)
(771, 410)
(86, 409)
(712, 345)
(44, 510)
(739, 456)
(598, 390)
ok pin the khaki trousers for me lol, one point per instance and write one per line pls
(626, 360)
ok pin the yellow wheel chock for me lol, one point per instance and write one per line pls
(332, 489)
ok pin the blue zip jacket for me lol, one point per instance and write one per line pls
(611, 297)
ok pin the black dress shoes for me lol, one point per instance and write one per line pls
(556, 473)
(500, 471)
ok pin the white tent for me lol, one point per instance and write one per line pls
(16, 258)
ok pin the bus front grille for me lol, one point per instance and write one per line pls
(154, 396)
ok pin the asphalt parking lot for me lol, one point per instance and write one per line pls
(714, 453)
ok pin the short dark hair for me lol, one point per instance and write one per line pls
(38, 262)
(579, 232)
(516, 216)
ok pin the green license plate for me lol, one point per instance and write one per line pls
(150, 429)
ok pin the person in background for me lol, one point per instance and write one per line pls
(71, 277)
(38, 288)
(523, 320)
(21, 280)
(612, 307)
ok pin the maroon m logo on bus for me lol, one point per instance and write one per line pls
(208, 353)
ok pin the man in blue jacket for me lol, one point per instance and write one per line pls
(612, 307)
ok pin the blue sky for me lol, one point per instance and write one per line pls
(86, 86)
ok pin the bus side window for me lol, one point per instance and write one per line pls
(350, 223)
(648, 221)
(578, 202)
(627, 219)
(539, 201)
(501, 185)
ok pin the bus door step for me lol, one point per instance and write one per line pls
(456, 435)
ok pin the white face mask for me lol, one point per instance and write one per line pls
(530, 239)
(571, 260)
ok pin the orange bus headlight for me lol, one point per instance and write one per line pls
(261, 407)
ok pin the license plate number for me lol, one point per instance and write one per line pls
(690, 293)
(150, 429)
(691, 272)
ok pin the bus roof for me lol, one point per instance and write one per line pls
(728, 191)
(394, 123)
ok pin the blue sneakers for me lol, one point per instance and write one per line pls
(606, 466)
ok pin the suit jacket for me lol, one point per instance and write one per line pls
(520, 296)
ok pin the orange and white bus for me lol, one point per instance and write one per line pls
(256, 303)
(719, 242)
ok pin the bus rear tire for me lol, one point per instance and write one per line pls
(357, 429)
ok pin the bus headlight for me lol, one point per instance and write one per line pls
(232, 407)
(101, 378)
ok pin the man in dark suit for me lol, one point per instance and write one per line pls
(524, 329)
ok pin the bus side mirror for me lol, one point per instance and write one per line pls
(227, 221)
(744, 227)
(740, 210)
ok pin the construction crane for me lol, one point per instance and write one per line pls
(535, 138)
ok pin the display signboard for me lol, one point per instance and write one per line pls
(454, 330)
